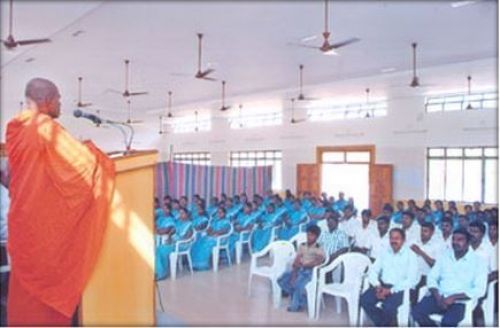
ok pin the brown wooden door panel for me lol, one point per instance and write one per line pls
(380, 186)
(308, 178)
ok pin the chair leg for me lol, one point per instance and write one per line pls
(276, 290)
(317, 307)
(173, 265)
(239, 249)
(215, 259)
(190, 263)
(249, 292)
(338, 303)
(352, 308)
(228, 254)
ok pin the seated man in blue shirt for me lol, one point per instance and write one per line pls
(457, 275)
(393, 272)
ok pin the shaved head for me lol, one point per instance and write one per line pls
(45, 95)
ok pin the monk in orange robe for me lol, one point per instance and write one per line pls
(60, 191)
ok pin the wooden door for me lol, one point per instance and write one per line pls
(308, 179)
(380, 186)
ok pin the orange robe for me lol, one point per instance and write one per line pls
(60, 192)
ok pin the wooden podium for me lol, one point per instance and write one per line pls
(121, 289)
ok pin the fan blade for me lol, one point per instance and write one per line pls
(344, 43)
(138, 93)
(108, 90)
(206, 72)
(224, 108)
(33, 41)
(302, 45)
(83, 105)
(301, 97)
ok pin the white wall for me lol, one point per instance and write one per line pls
(401, 139)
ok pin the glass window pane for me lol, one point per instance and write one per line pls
(454, 152)
(358, 156)
(243, 155)
(278, 154)
(454, 99)
(491, 152)
(492, 95)
(452, 106)
(277, 176)
(436, 152)
(473, 152)
(261, 162)
(260, 154)
(436, 178)
(472, 180)
(491, 181)
(490, 104)
(435, 100)
(454, 174)
(333, 156)
(431, 108)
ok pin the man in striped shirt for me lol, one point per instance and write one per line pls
(332, 239)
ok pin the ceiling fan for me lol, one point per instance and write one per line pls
(294, 120)
(80, 103)
(10, 42)
(415, 82)
(129, 115)
(127, 93)
(224, 107)
(469, 106)
(161, 131)
(368, 109)
(301, 96)
(203, 75)
(327, 48)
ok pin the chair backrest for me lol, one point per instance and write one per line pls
(354, 265)
(282, 252)
(298, 239)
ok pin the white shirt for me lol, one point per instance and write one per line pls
(364, 237)
(379, 244)
(350, 226)
(4, 203)
(451, 276)
(432, 249)
(445, 244)
(412, 233)
(495, 255)
(323, 225)
(486, 252)
(397, 269)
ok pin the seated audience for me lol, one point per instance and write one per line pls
(333, 239)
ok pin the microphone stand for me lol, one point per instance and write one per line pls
(127, 139)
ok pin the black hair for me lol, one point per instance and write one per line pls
(314, 229)
(493, 223)
(384, 218)
(410, 214)
(367, 212)
(388, 207)
(447, 219)
(400, 231)
(478, 225)
(429, 225)
(462, 231)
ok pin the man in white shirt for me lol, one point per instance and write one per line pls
(333, 239)
(481, 246)
(444, 235)
(366, 232)
(426, 249)
(393, 272)
(457, 275)
(348, 223)
(411, 228)
(380, 240)
(493, 241)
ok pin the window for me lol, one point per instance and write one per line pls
(256, 120)
(192, 123)
(454, 102)
(328, 111)
(465, 174)
(260, 158)
(197, 158)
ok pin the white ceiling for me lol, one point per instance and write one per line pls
(246, 41)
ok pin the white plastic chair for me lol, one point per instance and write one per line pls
(312, 289)
(221, 244)
(244, 239)
(282, 253)
(488, 305)
(182, 248)
(298, 239)
(303, 225)
(355, 265)
(470, 305)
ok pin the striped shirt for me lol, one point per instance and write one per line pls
(333, 241)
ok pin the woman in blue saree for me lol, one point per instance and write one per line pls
(243, 225)
(291, 220)
(261, 236)
(180, 230)
(201, 252)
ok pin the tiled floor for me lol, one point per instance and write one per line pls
(209, 298)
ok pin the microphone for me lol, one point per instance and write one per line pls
(94, 118)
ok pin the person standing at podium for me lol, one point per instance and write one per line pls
(60, 193)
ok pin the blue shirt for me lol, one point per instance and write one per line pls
(451, 276)
(245, 220)
(316, 211)
(182, 229)
(270, 219)
(199, 220)
(397, 217)
(219, 225)
(296, 216)
(339, 205)
(164, 222)
(437, 216)
(397, 269)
